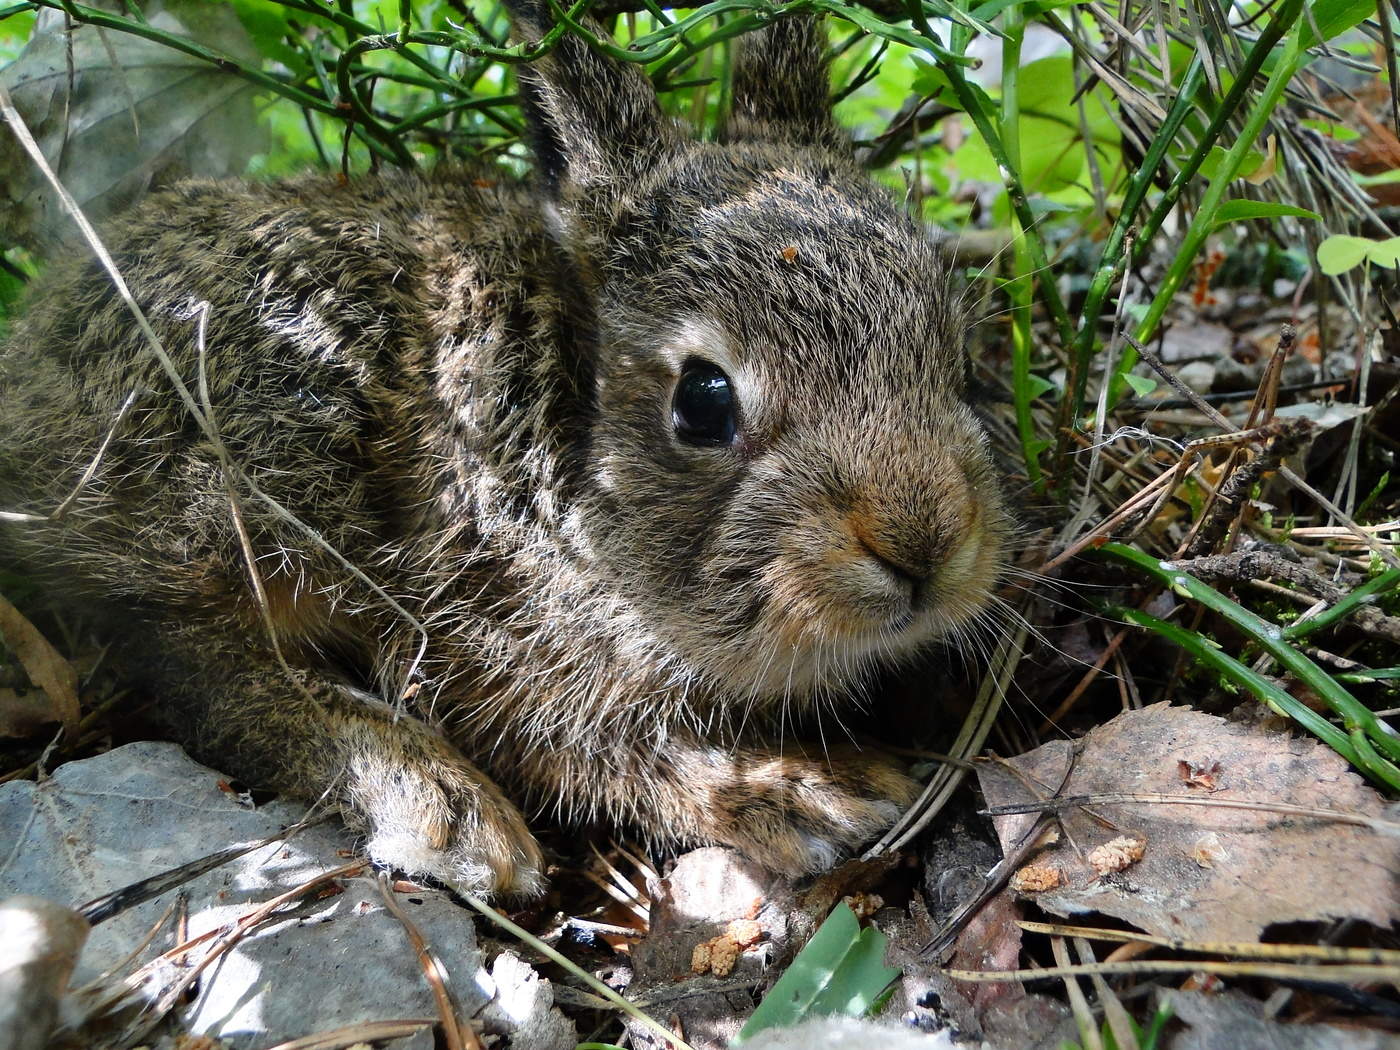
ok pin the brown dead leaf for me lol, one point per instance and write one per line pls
(1198, 774)
(22, 717)
(1207, 872)
(45, 668)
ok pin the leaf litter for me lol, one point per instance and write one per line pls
(116, 114)
(46, 669)
(1205, 872)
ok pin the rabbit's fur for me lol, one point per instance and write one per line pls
(465, 385)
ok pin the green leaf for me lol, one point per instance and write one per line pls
(1241, 210)
(1333, 18)
(111, 110)
(1038, 386)
(1045, 206)
(1340, 253)
(840, 971)
(1210, 167)
(267, 25)
(1142, 385)
(1386, 253)
(930, 80)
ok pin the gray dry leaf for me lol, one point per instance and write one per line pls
(1234, 1021)
(45, 668)
(125, 114)
(1207, 873)
(332, 959)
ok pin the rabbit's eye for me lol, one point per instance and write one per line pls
(703, 408)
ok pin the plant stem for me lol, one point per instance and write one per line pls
(1113, 260)
(1269, 637)
(1019, 288)
(1203, 221)
(1384, 582)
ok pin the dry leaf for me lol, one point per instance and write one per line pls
(115, 113)
(22, 717)
(45, 668)
(1196, 774)
(1209, 872)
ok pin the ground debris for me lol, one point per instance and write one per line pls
(1240, 1023)
(1204, 872)
(46, 669)
(325, 960)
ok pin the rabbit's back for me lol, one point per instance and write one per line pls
(335, 335)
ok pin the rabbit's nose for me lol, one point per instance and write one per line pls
(907, 569)
(899, 568)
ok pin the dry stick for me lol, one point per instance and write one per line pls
(235, 507)
(626, 1006)
(157, 348)
(230, 935)
(1079, 1005)
(1244, 949)
(62, 510)
(452, 1032)
(1101, 409)
(99, 989)
(357, 1034)
(84, 737)
(1119, 1023)
(102, 995)
(634, 852)
(1246, 567)
(1223, 506)
(975, 730)
(1029, 842)
(1342, 973)
(102, 908)
(621, 881)
(1285, 472)
(1100, 798)
(1227, 502)
(1052, 720)
(1159, 489)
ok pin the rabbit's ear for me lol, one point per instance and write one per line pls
(782, 87)
(592, 120)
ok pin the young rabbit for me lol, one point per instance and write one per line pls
(657, 449)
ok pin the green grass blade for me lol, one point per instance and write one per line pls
(1388, 580)
(1355, 716)
(840, 971)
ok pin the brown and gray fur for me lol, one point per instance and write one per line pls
(464, 384)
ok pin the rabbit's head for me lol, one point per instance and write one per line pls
(784, 481)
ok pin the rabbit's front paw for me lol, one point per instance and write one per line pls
(430, 812)
(801, 815)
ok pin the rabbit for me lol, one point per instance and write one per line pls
(560, 493)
